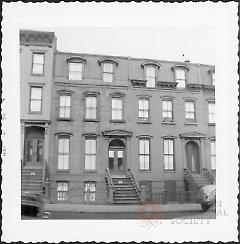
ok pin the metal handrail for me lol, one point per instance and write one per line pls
(187, 173)
(134, 181)
(109, 177)
(209, 175)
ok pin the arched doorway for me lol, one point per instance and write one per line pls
(116, 156)
(193, 159)
(34, 146)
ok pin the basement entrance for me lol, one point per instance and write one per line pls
(116, 156)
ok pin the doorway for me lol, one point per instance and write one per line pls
(116, 156)
(193, 160)
(34, 146)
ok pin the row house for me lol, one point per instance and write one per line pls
(119, 128)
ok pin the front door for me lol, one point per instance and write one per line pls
(34, 151)
(116, 160)
(193, 160)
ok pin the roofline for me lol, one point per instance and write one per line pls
(131, 58)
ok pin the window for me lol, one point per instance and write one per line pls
(211, 112)
(89, 191)
(90, 154)
(143, 109)
(117, 109)
(150, 76)
(38, 63)
(36, 99)
(213, 78)
(167, 110)
(62, 191)
(75, 71)
(213, 154)
(107, 72)
(190, 111)
(168, 154)
(63, 153)
(64, 106)
(144, 154)
(180, 77)
(91, 107)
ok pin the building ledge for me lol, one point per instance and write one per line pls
(194, 86)
(170, 171)
(91, 120)
(145, 171)
(168, 123)
(191, 123)
(117, 121)
(143, 122)
(90, 171)
(211, 124)
(208, 88)
(139, 83)
(167, 84)
(31, 112)
(64, 119)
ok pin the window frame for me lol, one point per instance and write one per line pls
(213, 155)
(168, 154)
(96, 95)
(82, 72)
(183, 67)
(166, 119)
(30, 99)
(63, 191)
(103, 72)
(64, 93)
(213, 114)
(59, 137)
(176, 79)
(86, 138)
(59, 107)
(89, 193)
(147, 138)
(141, 119)
(119, 96)
(188, 120)
(145, 74)
(43, 65)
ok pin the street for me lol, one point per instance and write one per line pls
(139, 215)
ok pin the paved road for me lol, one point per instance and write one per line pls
(165, 215)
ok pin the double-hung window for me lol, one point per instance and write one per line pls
(190, 111)
(150, 76)
(143, 109)
(144, 154)
(62, 191)
(38, 64)
(211, 112)
(168, 150)
(75, 71)
(117, 108)
(180, 77)
(213, 154)
(64, 105)
(35, 99)
(167, 107)
(90, 154)
(63, 153)
(107, 72)
(91, 107)
(89, 191)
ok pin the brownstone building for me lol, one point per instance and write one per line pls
(119, 126)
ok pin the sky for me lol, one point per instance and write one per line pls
(172, 43)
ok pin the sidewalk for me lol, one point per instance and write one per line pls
(186, 207)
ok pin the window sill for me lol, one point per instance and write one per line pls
(31, 112)
(90, 171)
(191, 123)
(144, 122)
(91, 120)
(211, 124)
(64, 119)
(117, 121)
(144, 171)
(168, 123)
(37, 74)
(59, 171)
(170, 171)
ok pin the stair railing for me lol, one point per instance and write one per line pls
(188, 176)
(129, 172)
(110, 186)
(209, 175)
